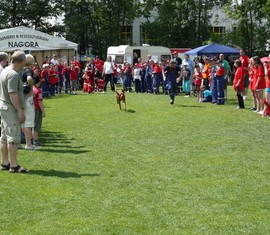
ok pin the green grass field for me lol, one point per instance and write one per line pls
(190, 168)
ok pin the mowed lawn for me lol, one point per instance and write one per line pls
(190, 168)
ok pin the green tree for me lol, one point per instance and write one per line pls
(178, 23)
(251, 30)
(31, 13)
(98, 23)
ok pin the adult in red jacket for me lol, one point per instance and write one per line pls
(238, 83)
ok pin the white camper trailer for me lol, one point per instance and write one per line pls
(130, 54)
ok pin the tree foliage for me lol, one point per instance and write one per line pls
(251, 30)
(179, 23)
(31, 13)
(98, 24)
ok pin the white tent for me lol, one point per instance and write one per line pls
(23, 38)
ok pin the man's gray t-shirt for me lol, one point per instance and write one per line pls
(10, 82)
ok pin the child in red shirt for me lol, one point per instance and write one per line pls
(39, 110)
(85, 82)
(53, 79)
(251, 71)
(238, 83)
(45, 80)
(219, 75)
(73, 75)
(198, 82)
(266, 101)
(90, 74)
(259, 83)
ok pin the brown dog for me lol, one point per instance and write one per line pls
(120, 96)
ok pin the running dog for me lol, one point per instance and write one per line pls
(120, 96)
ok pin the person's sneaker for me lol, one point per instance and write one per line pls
(37, 143)
(171, 101)
(19, 146)
(28, 147)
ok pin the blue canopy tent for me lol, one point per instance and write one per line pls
(213, 49)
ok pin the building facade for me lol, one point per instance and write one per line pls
(219, 23)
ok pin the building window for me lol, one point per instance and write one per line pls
(145, 38)
(218, 30)
(126, 34)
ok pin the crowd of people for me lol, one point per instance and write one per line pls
(206, 78)
(21, 107)
(23, 86)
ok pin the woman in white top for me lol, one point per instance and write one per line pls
(108, 71)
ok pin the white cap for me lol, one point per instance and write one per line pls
(45, 65)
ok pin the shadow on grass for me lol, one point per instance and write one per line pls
(231, 102)
(63, 150)
(57, 142)
(189, 106)
(131, 111)
(60, 174)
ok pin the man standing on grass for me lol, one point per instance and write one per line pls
(12, 114)
(170, 75)
(227, 69)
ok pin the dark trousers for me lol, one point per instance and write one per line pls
(156, 83)
(67, 85)
(214, 90)
(52, 89)
(148, 84)
(127, 82)
(220, 90)
(171, 86)
(45, 89)
(143, 84)
(240, 100)
(137, 84)
(109, 78)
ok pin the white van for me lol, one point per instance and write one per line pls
(130, 54)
